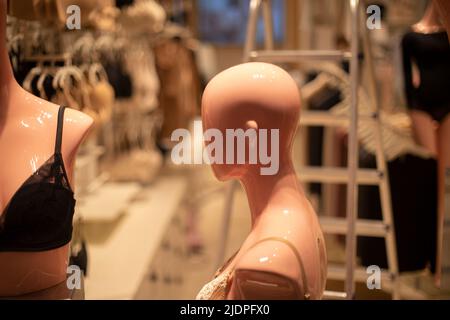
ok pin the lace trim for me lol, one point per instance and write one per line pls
(216, 289)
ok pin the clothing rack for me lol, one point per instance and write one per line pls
(351, 226)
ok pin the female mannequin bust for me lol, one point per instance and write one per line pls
(27, 140)
(284, 255)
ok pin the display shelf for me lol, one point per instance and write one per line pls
(119, 263)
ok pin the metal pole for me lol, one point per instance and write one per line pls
(251, 28)
(352, 187)
(268, 24)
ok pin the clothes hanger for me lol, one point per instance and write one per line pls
(96, 74)
(40, 83)
(65, 79)
(33, 73)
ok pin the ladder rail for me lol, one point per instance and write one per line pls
(268, 24)
(352, 156)
(296, 55)
(381, 163)
(251, 28)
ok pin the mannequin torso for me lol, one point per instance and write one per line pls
(284, 255)
(27, 140)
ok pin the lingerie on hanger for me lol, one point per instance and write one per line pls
(47, 92)
(34, 87)
(119, 79)
(101, 93)
(39, 215)
(145, 79)
(431, 53)
(218, 288)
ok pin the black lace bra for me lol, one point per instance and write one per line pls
(39, 215)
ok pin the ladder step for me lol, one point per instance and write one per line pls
(325, 118)
(339, 175)
(296, 55)
(364, 227)
(334, 295)
(338, 272)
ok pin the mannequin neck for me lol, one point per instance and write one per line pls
(275, 191)
(430, 19)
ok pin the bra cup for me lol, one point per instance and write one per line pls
(44, 220)
(39, 215)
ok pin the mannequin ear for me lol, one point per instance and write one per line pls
(251, 124)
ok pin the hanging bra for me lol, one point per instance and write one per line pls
(217, 289)
(39, 215)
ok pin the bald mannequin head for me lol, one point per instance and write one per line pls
(252, 96)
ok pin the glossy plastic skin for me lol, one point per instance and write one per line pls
(443, 7)
(264, 96)
(431, 20)
(27, 140)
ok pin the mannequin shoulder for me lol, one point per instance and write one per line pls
(73, 119)
(76, 127)
(77, 120)
(269, 270)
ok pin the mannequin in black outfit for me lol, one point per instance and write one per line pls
(426, 56)
(431, 53)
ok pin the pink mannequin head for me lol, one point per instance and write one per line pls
(252, 96)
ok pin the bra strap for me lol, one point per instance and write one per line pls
(59, 130)
(307, 295)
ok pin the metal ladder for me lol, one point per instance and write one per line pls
(350, 226)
